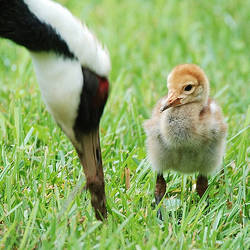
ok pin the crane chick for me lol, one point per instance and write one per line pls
(186, 132)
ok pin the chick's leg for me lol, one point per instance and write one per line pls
(160, 190)
(201, 185)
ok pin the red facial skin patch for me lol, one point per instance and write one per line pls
(102, 92)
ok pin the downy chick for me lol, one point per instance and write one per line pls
(186, 132)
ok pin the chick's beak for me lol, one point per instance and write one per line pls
(91, 160)
(171, 101)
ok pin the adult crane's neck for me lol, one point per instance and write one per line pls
(21, 22)
(46, 26)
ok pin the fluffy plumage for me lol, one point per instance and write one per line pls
(186, 132)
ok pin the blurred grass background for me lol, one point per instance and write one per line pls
(39, 168)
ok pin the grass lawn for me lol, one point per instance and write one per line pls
(41, 205)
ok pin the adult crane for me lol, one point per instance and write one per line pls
(72, 70)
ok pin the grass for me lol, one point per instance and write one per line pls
(40, 175)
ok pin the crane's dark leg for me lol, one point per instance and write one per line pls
(160, 190)
(201, 185)
(90, 156)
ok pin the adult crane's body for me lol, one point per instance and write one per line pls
(72, 69)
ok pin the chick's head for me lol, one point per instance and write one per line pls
(187, 83)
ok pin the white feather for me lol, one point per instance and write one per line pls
(213, 107)
(61, 83)
(79, 39)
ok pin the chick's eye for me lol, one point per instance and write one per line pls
(188, 87)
